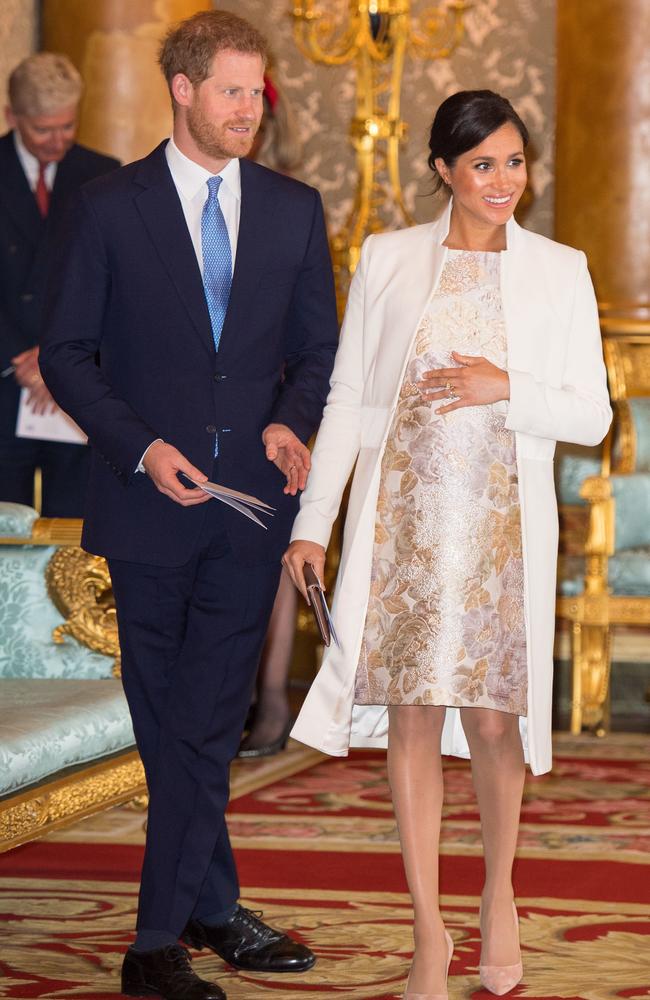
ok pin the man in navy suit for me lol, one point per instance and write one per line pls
(40, 166)
(203, 283)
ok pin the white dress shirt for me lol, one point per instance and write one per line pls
(31, 166)
(191, 182)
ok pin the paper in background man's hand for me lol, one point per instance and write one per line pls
(51, 426)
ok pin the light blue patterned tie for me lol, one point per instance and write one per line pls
(217, 263)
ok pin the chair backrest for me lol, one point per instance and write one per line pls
(626, 345)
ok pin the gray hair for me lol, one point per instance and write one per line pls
(43, 84)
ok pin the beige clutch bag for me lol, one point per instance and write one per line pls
(319, 606)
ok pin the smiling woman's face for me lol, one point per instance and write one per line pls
(488, 181)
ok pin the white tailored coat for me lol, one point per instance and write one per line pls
(558, 392)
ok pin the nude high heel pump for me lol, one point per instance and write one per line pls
(433, 996)
(500, 979)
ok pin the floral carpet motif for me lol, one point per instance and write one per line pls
(318, 854)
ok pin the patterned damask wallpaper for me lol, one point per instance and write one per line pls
(509, 46)
(17, 40)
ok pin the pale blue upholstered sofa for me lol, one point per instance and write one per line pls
(66, 741)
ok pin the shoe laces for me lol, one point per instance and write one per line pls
(252, 919)
(178, 958)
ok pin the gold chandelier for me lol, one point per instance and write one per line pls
(376, 35)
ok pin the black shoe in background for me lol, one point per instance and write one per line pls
(167, 972)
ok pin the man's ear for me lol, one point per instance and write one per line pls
(10, 116)
(182, 89)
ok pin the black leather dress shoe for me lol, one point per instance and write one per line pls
(245, 942)
(166, 972)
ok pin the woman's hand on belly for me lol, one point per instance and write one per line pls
(299, 553)
(475, 382)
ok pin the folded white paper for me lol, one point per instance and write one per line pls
(242, 502)
(56, 426)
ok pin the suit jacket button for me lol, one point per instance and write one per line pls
(26, 297)
(13, 248)
(220, 377)
(211, 429)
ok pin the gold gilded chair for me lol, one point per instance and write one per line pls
(610, 584)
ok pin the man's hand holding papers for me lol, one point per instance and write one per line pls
(162, 463)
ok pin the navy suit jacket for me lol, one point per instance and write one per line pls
(25, 249)
(128, 352)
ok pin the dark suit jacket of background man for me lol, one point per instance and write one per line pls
(127, 284)
(25, 248)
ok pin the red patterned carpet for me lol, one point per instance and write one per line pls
(318, 852)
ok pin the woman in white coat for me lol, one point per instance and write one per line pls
(469, 347)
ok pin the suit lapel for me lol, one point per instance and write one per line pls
(254, 244)
(16, 193)
(161, 212)
(65, 180)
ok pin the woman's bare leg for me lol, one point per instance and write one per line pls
(498, 772)
(415, 776)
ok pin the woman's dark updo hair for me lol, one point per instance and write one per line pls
(464, 120)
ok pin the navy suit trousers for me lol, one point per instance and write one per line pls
(191, 638)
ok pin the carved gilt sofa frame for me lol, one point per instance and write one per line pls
(79, 586)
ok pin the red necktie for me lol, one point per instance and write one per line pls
(41, 192)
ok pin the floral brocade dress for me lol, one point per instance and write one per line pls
(445, 620)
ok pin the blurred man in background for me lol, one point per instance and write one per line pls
(40, 166)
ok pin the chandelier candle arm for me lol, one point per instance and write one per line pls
(376, 36)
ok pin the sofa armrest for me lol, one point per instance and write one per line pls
(49, 531)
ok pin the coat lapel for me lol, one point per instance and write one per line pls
(159, 206)
(524, 303)
(415, 272)
(16, 193)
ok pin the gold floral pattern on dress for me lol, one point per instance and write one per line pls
(445, 620)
